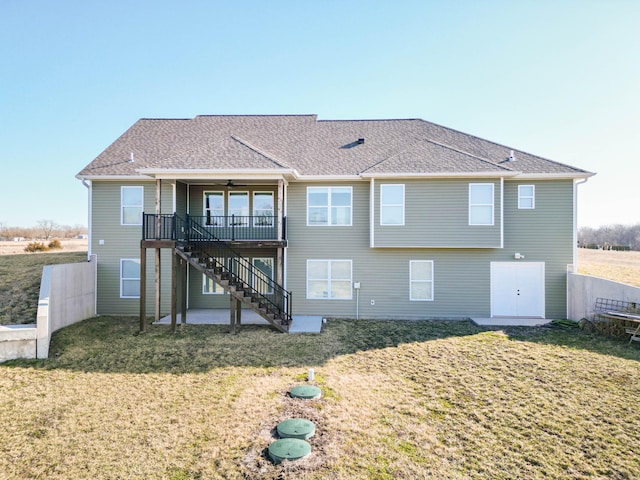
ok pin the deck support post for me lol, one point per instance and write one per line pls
(143, 288)
(174, 290)
(183, 296)
(158, 256)
(232, 315)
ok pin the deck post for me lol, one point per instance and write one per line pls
(143, 288)
(232, 315)
(174, 290)
(280, 207)
(238, 313)
(158, 236)
(183, 296)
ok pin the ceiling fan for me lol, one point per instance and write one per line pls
(230, 184)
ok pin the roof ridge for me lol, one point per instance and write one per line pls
(448, 147)
(485, 160)
(259, 152)
(502, 145)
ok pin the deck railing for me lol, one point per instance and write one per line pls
(229, 228)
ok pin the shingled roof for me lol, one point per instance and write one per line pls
(305, 146)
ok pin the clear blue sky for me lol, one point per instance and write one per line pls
(557, 78)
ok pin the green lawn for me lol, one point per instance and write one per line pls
(20, 283)
(401, 400)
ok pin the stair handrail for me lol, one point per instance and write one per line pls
(204, 240)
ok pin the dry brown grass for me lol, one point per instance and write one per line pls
(68, 245)
(405, 400)
(618, 266)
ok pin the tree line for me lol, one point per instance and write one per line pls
(43, 230)
(610, 237)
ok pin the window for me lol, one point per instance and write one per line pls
(329, 206)
(263, 209)
(421, 280)
(391, 204)
(329, 279)
(129, 278)
(481, 204)
(239, 207)
(264, 265)
(526, 196)
(209, 287)
(214, 208)
(131, 202)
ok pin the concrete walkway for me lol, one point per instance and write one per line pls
(220, 316)
(509, 322)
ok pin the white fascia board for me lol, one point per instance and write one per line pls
(114, 178)
(553, 176)
(441, 175)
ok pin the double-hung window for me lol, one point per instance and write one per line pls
(239, 209)
(481, 204)
(263, 209)
(129, 278)
(526, 197)
(392, 204)
(131, 205)
(421, 280)
(329, 206)
(214, 208)
(263, 275)
(329, 279)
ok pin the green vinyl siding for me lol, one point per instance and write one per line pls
(123, 241)
(436, 215)
(543, 234)
(461, 276)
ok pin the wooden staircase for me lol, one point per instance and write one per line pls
(237, 276)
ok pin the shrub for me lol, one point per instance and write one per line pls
(36, 247)
(55, 245)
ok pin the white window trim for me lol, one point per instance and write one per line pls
(393, 204)
(492, 204)
(329, 279)
(532, 197)
(329, 224)
(122, 205)
(204, 206)
(411, 281)
(253, 209)
(244, 222)
(122, 260)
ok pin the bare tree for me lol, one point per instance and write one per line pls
(46, 227)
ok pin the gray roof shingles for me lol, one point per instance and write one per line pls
(310, 147)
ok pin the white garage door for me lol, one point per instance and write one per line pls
(517, 289)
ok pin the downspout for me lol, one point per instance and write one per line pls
(574, 267)
(575, 222)
(89, 229)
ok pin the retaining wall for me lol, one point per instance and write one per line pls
(67, 296)
(584, 289)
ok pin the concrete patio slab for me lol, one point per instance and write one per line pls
(509, 321)
(220, 316)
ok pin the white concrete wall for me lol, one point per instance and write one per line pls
(584, 289)
(67, 296)
(17, 341)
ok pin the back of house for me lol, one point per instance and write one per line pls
(397, 219)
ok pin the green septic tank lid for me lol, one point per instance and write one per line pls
(305, 391)
(289, 449)
(296, 428)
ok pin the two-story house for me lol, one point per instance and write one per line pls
(288, 214)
